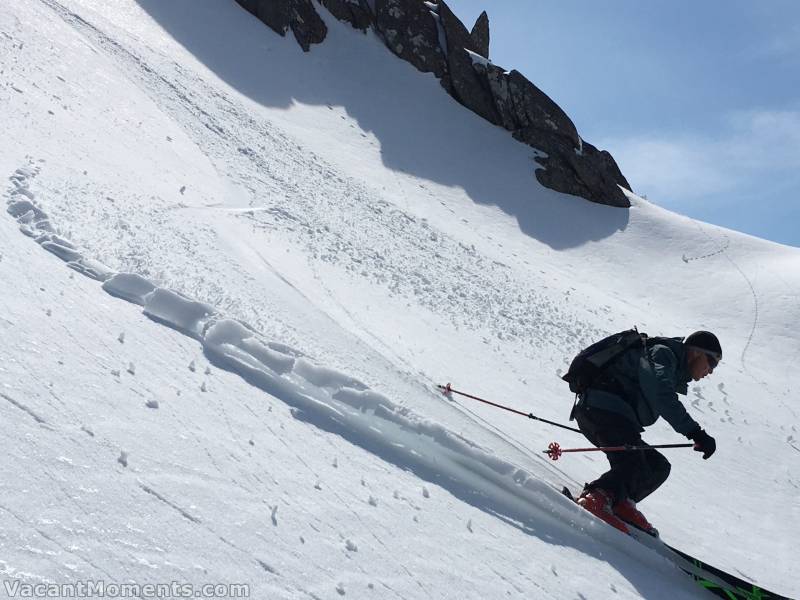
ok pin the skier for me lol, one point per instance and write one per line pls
(632, 392)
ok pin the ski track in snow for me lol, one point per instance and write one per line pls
(716, 252)
(724, 250)
(329, 399)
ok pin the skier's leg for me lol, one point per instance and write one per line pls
(627, 469)
(599, 497)
(648, 474)
(655, 471)
(604, 428)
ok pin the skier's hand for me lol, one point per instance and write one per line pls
(703, 442)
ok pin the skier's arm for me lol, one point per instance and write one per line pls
(658, 381)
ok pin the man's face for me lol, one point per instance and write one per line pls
(699, 365)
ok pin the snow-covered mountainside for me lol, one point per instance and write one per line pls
(295, 249)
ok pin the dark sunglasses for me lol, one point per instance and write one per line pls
(713, 360)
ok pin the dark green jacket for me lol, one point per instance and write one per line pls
(649, 383)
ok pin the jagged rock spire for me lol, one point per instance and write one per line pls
(480, 35)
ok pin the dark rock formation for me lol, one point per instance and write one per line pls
(409, 29)
(434, 40)
(610, 166)
(497, 78)
(533, 111)
(273, 14)
(572, 166)
(468, 87)
(306, 24)
(355, 12)
(588, 172)
(480, 35)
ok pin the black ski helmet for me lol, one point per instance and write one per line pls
(705, 341)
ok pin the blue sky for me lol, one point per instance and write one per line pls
(699, 102)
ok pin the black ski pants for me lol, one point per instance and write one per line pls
(633, 474)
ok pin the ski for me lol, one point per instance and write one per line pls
(713, 579)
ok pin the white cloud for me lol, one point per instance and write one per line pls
(766, 139)
(752, 145)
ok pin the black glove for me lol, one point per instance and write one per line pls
(702, 442)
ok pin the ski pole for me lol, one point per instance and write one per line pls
(554, 451)
(446, 389)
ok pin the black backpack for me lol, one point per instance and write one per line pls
(590, 362)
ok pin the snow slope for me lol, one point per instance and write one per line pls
(326, 236)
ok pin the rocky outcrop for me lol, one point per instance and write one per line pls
(428, 35)
(588, 173)
(468, 86)
(572, 165)
(273, 14)
(306, 24)
(299, 15)
(355, 12)
(410, 30)
(525, 109)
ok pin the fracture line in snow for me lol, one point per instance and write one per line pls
(327, 398)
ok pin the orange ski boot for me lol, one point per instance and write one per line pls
(627, 511)
(598, 502)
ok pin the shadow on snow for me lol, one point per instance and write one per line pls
(422, 131)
